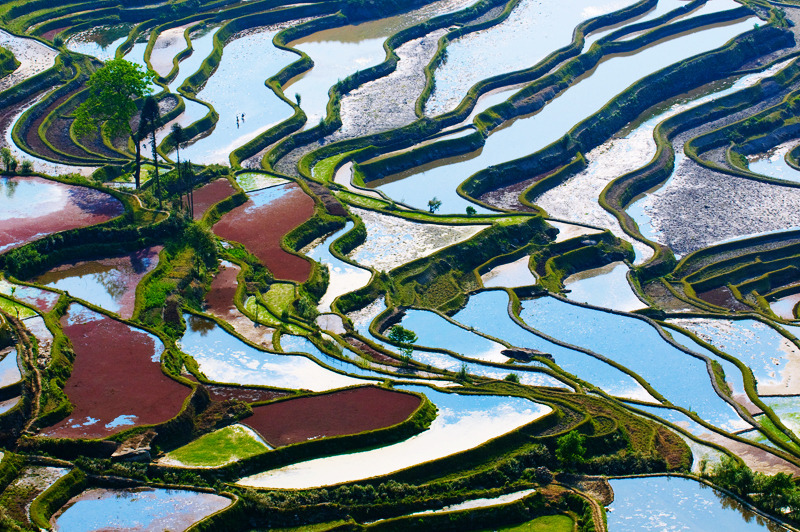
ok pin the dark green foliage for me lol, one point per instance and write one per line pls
(570, 450)
(113, 91)
(8, 62)
(777, 494)
(404, 337)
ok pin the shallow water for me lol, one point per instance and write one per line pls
(144, 509)
(487, 312)
(38, 298)
(9, 370)
(344, 277)
(645, 209)
(774, 360)
(527, 135)
(33, 56)
(462, 422)
(237, 88)
(226, 359)
(673, 503)
(536, 26)
(480, 503)
(773, 163)
(202, 46)
(101, 42)
(606, 286)
(340, 52)
(392, 241)
(634, 343)
(511, 274)
(168, 44)
(435, 331)
(108, 283)
(32, 207)
(784, 307)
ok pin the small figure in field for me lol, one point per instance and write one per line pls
(237, 121)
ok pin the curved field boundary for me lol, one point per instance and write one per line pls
(410, 135)
(418, 421)
(626, 106)
(621, 192)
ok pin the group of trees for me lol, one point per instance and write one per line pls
(115, 91)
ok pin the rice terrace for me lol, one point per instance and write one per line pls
(469, 265)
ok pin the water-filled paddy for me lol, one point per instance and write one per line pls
(774, 359)
(43, 300)
(33, 56)
(168, 44)
(576, 103)
(487, 313)
(453, 430)
(773, 163)
(237, 88)
(682, 379)
(108, 283)
(435, 331)
(481, 503)
(344, 277)
(606, 286)
(392, 241)
(145, 509)
(116, 381)
(202, 41)
(32, 207)
(339, 52)
(755, 458)
(673, 503)
(784, 307)
(534, 26)
(101, 42)
(9, 370)
(224, 358)
(261, 222)
(510, 274)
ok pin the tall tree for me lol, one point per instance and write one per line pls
(179, 137)
(149, 122)
(113, 91)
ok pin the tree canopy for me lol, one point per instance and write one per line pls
(113, 91)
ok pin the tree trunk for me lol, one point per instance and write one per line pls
(136, 174)
(155, 163)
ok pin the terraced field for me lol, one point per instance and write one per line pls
(350, 265)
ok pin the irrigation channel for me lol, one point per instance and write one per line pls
(438, 265)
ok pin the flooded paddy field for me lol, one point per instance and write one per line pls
(141, 509)
(477, 266)
(108, 283)
(32, 207)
